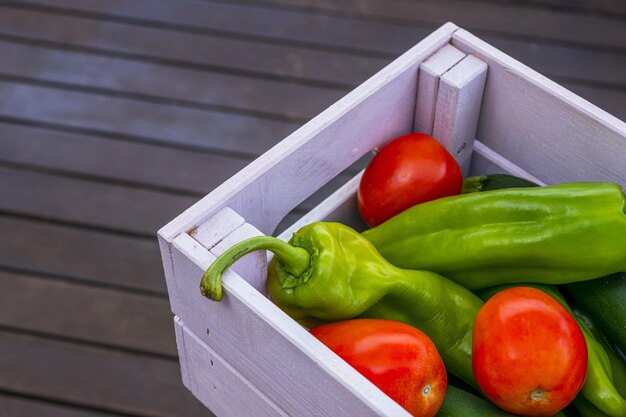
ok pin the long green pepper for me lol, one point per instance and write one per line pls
(553, 235)
(329, 272)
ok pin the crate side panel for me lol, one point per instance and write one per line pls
(547, 130)
(278, 356)
(272, 185)
(218, 385)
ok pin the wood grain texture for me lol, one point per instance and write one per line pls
(512, 19)
(123, 161)
(519, 121)
(331, 387)
(94, 377)
(110, 206)
(184, 86)
(156, 43)
(218, 385)
(16, 406)
(109, 259)
(154, 122)
(458, 108)
(430, 71)
(90, 314)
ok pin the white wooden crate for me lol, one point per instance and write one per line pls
(244, 356)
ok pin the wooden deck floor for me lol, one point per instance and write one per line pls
(117, 115)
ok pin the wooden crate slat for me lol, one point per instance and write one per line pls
(276, 340)
(520, 118)
(91, 314)
(110, 259)
(94, 377)
(458, 107)
(430, 72)
(155, 122)
(217, 384)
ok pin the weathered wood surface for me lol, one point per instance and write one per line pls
(115, 116)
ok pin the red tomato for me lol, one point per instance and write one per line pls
(528, 354)
(399, 359)
(409, 170)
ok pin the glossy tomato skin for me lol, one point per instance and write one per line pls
(409, 170)
(528, 354)
(399, 359)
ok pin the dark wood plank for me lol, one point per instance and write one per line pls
(482, 18)
(205, 51)
(109, 206)
(256, 22)
(94, 377)
(126, 161)
(109, 259)
(610, 7)
(91, 314)
(153, 81)
(149, 121)
(15, 406)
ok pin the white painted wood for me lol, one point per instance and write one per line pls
(490, 162)
(217, 384)
(378, 110)
(274, 353)
(182, 353)
(458, 108)
(340, 206)
(210, 232)
(430, 71)
(540, 126)
(251, 267)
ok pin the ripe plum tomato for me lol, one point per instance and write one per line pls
(528, 354)
(399, 359)
(409, 170)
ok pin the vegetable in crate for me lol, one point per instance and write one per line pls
(605, 300)
(329, 272)
(554, 234)
(399, 359)
(410, 169)
(529, 356)
(604, 368)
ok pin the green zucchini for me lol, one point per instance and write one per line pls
(494, 182)
(604, 299)
(461, 403)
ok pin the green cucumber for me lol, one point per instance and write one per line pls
(494, 182)
(461, 403)
(604, 299)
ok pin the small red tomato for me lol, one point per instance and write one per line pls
(399, 359)
(528, 354)
(409, 170)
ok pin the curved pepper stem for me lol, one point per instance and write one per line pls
(294, 259)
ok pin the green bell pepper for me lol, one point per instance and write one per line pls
(329, 272)
(554, 234)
